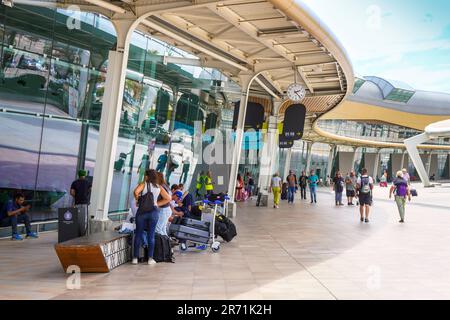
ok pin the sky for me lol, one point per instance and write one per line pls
(404, 40)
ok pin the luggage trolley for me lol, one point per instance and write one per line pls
(199, 233)
(211, 217)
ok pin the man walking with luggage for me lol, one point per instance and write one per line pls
(292, 186)
(364, 187)
(303, 182)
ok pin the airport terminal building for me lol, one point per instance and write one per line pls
(108, 86)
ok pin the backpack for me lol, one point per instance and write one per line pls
(365, 185)
(251, 182)
(163, 251)
(146, 202)
(401, 188)
(225, 228)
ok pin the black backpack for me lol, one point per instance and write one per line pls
(163, 250)
(225, 228)
(146, 202)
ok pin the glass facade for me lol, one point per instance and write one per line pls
(52, 82)
(382, 132)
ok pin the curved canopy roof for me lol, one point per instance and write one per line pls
(279, 39)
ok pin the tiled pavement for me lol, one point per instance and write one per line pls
(299, 251)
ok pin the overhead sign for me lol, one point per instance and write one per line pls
(284, 143)
(254, 118)
(294, 122)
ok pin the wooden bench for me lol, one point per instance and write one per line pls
(99, 252)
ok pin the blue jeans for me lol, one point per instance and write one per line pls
(147, 221)
(291, 194)
(338, 197)
(13, 221)
(313, 191)
(163, 220)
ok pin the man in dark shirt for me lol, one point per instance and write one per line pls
(303, 182)
(80, 189)
(15, 212)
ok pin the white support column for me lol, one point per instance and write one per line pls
(269, 152)
(110, 121)
(411, 145)
(355, 153)
(405, 155)
(287, 163)
(331, 156)
(376, 165)
(245, 82)
(308, 157)
(428, 167)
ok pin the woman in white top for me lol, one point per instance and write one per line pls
(165, 211)
(275, 187)
(148, 220)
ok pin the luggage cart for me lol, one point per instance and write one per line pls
(211, 217)
(191, 232)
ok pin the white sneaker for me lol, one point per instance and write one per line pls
(134, 261)
(151, 262)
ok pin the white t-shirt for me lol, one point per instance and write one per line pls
(276, 182)
(155, 190)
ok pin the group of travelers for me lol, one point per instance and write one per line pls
(157, 205)
(357, 187)
(292, 184)
(245, 187)
(361, 188)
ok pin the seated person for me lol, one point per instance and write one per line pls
(13, 213)
(187, 199)
(177, 205)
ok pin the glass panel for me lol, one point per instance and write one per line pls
(92, 107)
(57, 165)
(19, 153)
(23, 80)
(67, 89)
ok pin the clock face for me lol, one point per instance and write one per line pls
(296, 92)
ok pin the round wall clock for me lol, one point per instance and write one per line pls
(296, 92)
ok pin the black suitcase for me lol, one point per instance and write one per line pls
(182, 232)
(163, 250)
(197, 224)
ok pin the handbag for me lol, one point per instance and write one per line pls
(146, 202)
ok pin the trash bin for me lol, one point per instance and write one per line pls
(71, 223)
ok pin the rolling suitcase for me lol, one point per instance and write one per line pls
(182, 232)
(197, 224)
